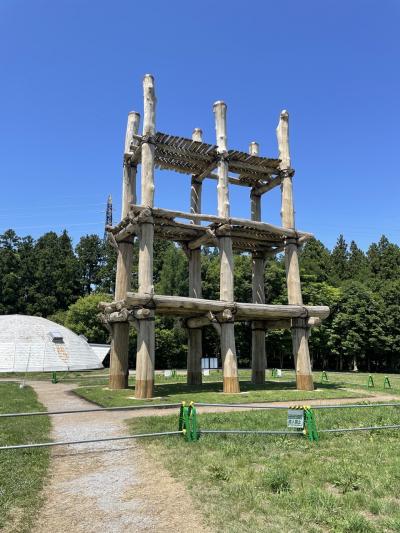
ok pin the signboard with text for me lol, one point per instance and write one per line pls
(295, 418)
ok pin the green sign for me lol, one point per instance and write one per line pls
(295, 418)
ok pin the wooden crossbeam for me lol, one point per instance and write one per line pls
(191, 306)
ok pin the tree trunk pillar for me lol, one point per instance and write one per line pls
(195, 335)
(258, 357)
(119, 370)
(145, 341)
(301, 352)
(228, 347)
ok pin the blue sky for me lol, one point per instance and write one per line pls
(71, 71)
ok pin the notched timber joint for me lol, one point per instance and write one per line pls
(112, 240)
(149, 139)
(287, 172)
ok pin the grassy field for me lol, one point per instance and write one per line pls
(22, 472)
(212, 392)
(344, 483)
(100, 377)
(339, 385)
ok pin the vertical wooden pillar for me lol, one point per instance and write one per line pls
(145, 342)
(195, 345)
(258, 358)
(301, 352)
(120, 330)
(228, 348)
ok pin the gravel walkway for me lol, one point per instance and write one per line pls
(106, 487)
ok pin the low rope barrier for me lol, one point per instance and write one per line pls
(285, 407)
(95, 410)
(300, 418)
(107, 439)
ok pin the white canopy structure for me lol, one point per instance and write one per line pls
(35, 344)
(101, 350)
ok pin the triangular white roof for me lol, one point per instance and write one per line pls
(101, 350)
(35, 344)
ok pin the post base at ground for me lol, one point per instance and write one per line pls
(194, 378)
(258, 377)
(144, 388)
(304, 382)
(118, 381)
(231, 385)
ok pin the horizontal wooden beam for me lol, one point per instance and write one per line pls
(208, 236)
(267, 187)
(182, 305)
(262, 226)
(206, 172)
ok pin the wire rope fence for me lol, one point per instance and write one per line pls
(300, 421)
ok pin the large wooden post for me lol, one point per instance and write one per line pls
(195, 346)
(299, 325)
(120, 331)
(258, 357)
(228, 348)
(145, 341)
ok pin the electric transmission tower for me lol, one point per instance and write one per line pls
(108, 215)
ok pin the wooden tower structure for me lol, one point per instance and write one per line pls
(194, 229)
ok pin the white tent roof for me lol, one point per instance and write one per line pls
(35, 344)
(101, 350)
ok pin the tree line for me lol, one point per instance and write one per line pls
(50, 277)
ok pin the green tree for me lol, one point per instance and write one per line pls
(9, 267)
(389, 293)
(56, 279)
(384, 259)
(339, 261)
(90, 254)
(355, 332)
(357, 264)
(315, 260)
(173, 277)
(82, 317)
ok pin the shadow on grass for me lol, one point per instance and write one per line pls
(170, 389)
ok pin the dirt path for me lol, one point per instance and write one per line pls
(106, 487)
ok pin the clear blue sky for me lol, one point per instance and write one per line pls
(72, 69)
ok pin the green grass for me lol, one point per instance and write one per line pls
(345, 483)
(360, 380)
(212, 392)
(81, 375)
(22, 472)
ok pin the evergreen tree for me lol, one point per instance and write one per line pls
(357, 266)
(173, 277)
(390, 296)
(315, 260)
(355, 332)
(10, 264)
(56, 279)
(108, 269)
(339, 261)
(384, 259)
(90, 251)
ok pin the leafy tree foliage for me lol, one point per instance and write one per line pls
(48, 277)
(90, 253)
(339, 261)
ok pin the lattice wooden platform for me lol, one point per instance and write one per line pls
(200, 159)
(247, 235)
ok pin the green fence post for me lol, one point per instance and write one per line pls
(54, 377)
(386, 383)
(194, 426)
(186, 423)
(180, 423)
(370, 383)
(311, 427)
